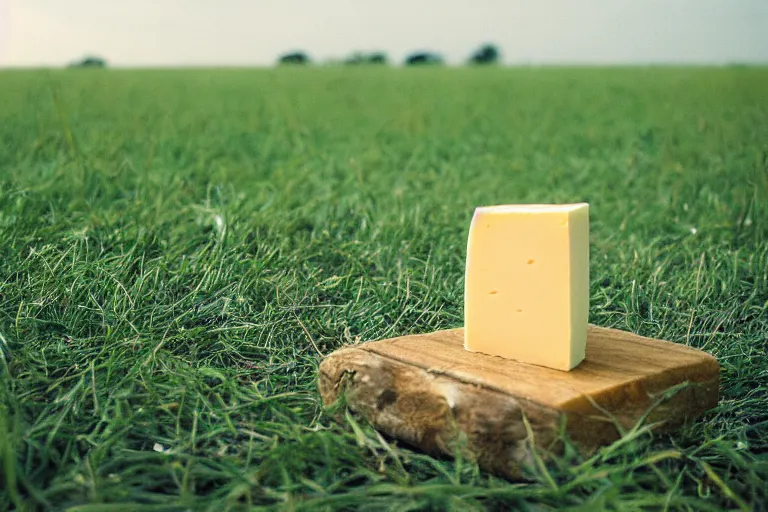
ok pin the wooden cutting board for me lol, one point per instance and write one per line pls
(429, 392)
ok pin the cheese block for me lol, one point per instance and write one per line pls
(527, 283)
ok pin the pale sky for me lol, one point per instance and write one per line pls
(255, 32)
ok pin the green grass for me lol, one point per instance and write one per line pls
(177, 248)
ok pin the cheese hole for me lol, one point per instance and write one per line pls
(519, 310)
(530, 262)
(494, 292)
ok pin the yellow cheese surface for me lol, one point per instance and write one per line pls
(527, 283)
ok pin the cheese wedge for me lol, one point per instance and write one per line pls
(527, 283)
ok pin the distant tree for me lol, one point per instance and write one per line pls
(89, 62)
(358, 58)
(294, 58)
(486, 54)
(423, 58)
(377, 58)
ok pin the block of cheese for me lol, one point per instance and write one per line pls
(527, 283)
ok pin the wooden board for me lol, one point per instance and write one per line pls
(429, 392)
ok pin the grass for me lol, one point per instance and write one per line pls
(178, 248)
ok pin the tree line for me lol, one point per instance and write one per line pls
(486, 54)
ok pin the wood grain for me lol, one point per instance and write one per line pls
(429, 392)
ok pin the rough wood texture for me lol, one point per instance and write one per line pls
(429, 392)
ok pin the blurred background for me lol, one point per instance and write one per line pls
(152, 33)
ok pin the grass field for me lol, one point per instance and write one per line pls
(177, 248)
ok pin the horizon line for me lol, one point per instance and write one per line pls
(341, 64)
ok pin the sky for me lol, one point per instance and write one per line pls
(131, 33)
